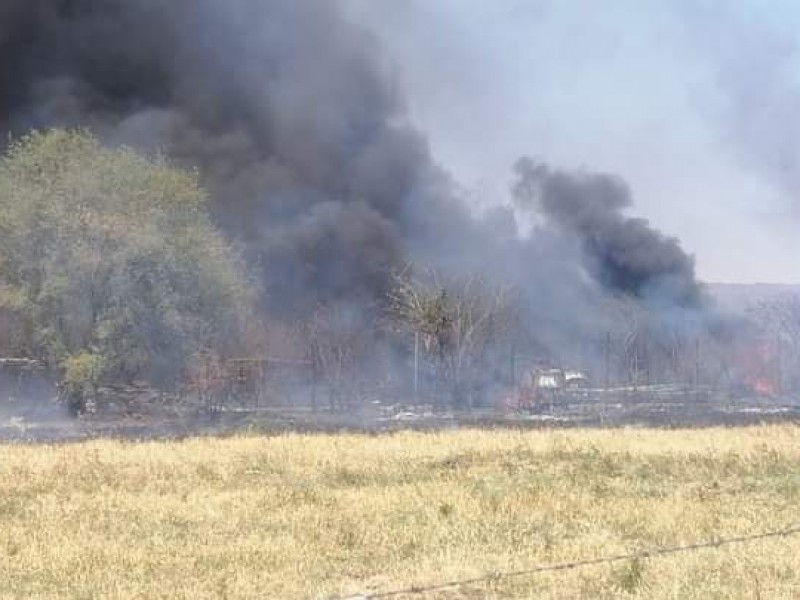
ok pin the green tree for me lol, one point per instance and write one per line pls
(109, 258)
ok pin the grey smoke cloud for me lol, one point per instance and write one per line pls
(686, 100)
(302, 135)
(625, 254)
(753, 55)
(284, 107)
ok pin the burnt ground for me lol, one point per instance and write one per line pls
(47, 422)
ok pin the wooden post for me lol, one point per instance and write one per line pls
(607, 362)
(314, 383)
(778, 365)
(513, 364)
(416, 367)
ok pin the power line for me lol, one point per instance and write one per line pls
(566, 566)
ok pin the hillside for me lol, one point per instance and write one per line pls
(738, 297)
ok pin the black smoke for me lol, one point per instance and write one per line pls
(284, 107)
(625, 254)
(301, 136)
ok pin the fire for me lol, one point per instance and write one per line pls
(763, 387)
(758, 364)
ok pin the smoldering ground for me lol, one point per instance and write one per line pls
(297, 126)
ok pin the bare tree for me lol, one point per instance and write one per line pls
(779, 321)
(459, 320)
(337, 342)
(627, 338)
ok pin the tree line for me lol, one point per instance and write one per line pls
(112, 271)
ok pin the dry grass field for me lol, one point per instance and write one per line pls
(314, 516)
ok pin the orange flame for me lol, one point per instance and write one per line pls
(763, 387)
(758, 362)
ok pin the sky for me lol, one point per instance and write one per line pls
(696, 104)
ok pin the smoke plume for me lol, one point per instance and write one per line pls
(300, 134)
(625, 254)
(282, 105)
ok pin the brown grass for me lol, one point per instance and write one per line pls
(312, 516)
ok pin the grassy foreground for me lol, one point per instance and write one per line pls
(312, 516)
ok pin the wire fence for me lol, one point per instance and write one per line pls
(566, 566)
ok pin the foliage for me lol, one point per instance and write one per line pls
(111, 255)
(82, 369)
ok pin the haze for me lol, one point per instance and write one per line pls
(694, 104)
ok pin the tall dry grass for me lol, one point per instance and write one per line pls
(311, 516)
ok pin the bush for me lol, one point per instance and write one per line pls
(111, 261)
